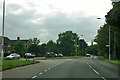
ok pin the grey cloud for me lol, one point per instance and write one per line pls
(14, 7)
(17, 25)
(86, 26)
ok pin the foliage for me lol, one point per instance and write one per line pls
(82, 47)
(103, 39)
(9, 64)
(107, 60)
(113, 16)
(66, 42)
(43, 49)
(93, 49)
(113, 21)
(34, 41)
(20, 48)
(34, 48)
(51, 46)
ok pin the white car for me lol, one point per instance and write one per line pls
(29, 55)
(13, 56)
(88, 55)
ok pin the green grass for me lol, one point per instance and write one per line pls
(66, 57)
(107, 60)
(9, 64)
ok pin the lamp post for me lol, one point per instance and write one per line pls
(109, 43)
(82, 44)
(2, 52)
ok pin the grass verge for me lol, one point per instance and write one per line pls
(9, 64)
(110, 61)
(66, 57)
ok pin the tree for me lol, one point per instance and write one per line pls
(51, 46)
(93, 49)
(66, 43)
(34, 41)
(20, 48)
(113, 20)
(113, 16)
(34, 48)
(43, 49)
(82, 47)
(103, 39)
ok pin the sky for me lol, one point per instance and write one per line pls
(45, 19)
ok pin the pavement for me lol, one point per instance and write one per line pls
(86, 67)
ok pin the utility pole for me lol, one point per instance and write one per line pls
(114, 55)
(76, 46)
(2, 52)
(109, 45)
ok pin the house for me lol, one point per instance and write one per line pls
(9, 44)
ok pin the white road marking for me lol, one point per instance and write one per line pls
(95, 71)
(40, 73)
(104, 78)
(90, 66)
(34, 77)
(49, 68)
(45, 70)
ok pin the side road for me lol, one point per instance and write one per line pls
(30, 70)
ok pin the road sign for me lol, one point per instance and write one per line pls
(107, 45)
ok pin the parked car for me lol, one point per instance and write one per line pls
(60, 55)
(13, 56)
(56, 55)
(88, 55)
(29, 55)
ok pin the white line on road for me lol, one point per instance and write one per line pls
(49, 68)
(90, 66)
(104, 78)
(34, 77)
(45, 70)
(95, 71)
(40, 73)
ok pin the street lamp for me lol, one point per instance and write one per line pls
(82, 44)
(109, 42)
(2, 52)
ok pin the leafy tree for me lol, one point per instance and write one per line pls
(43, 49)
(34, 41)
(20, 48)
(82, 47)
(93, 49)
(103, 39)
(113, 16)
(51, 46)
(34, 48)
(113, 20)
(66, 43)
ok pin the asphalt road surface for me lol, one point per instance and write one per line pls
(87, 67)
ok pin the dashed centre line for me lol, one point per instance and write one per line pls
(34, 77)
(40, 73)
(95, 71)
(104, 78)
(45, 71)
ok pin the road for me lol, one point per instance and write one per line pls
(87, 67)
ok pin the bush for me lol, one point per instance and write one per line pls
(6, 54)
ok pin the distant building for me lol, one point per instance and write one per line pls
(9, 44)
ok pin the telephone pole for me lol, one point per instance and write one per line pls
(2, 52)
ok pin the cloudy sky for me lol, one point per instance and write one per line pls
(45, 19)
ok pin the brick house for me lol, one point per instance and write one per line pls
(9, 44)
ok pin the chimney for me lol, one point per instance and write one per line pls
(18, 38)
